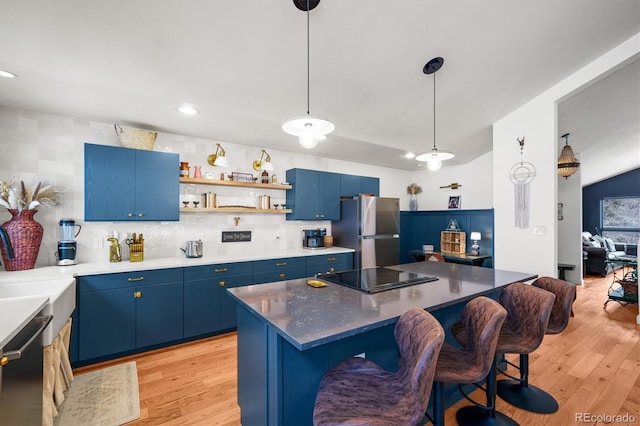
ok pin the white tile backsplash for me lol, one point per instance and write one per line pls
(39, 146)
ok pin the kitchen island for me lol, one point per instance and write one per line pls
(290, 334)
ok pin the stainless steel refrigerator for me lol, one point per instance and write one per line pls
(370, 226)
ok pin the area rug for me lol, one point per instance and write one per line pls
(107, 397)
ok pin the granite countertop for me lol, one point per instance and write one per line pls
(16, 313)
(307, 317)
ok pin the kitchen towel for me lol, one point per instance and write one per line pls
(106, 397)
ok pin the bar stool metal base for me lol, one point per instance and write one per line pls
(529, 398)
(477, 416)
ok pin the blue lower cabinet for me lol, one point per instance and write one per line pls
(106, 322)
(322, 264)
(125, 312)
(207, 306)
(266, 271)
(159, 314)
(202, 307)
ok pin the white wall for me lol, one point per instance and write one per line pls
(536, 120)
(570, 227)
(39, 146)
(475, 192)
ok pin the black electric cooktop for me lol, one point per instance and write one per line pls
(374, 280)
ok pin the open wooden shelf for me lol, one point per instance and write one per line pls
(232, 210)
(202, 181)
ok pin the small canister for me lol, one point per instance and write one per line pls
(209, 200)
(184, 169)
(265, 202)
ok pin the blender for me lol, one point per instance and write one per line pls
(67, 242)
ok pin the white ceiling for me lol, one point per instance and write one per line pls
(243, 65)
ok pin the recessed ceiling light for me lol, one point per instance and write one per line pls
(7, 74)
(409, 155)
(188, 110)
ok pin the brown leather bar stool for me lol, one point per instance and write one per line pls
(357, 391)
(531, 398)
(481, 322)
(528, 311)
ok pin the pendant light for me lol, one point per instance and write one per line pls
(308, 128)
(567, 163)
(434, 158)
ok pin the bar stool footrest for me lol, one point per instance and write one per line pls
(529, 398)
(476, 416)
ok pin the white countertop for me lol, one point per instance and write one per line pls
(16, 312)
(94, 268)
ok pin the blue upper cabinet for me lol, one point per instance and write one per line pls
(352, 185)
(315, 195)
(123, 184)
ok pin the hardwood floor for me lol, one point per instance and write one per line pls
(593, 367)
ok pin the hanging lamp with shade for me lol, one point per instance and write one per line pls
(309, 129)
(567, 163)
(435, 157)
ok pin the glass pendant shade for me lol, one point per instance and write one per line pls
(435, 158)
(309, 129)
(567, 163)
(221, 161)
(266, 165)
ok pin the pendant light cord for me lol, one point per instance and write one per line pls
(308, 54)
(434, 111)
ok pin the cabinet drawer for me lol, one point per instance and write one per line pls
(217, 271)
(279, 264)
(128, 279)
(312, 270)
(289, 274)
(329, 259)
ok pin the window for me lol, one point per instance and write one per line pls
(620, 219)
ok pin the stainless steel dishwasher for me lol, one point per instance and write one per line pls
(21, 375)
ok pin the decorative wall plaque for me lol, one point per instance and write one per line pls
(235, 236)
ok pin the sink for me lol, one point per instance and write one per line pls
(62, 300)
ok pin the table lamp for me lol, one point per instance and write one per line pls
(475, 249)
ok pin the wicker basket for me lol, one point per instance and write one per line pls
(629, 285)
(130, 137)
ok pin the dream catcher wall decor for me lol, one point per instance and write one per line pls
(521, 175)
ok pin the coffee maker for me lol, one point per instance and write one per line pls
(313, 238)
(67, 244)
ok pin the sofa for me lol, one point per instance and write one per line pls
(597, 250)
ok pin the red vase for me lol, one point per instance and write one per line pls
(25, 236)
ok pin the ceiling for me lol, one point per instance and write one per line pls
(242, 64)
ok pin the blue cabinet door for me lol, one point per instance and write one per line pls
(158, 314)
(329, 196)
(109, 176)
(370, 185)
(124, 184)
(157, 186)
(228, 304)
(352, 185)
(202, 307)
(302, 198)
(106, 322)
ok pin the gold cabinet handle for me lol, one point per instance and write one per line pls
(135, 279)
(221, 283)
(330, 259)
(137, 295)
(282, 275)
(332, 269)
(4, 361)
(281, 264)
(220, 270)
(139, 214)
(130, 215)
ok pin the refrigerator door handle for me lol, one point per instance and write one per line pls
(378, 237)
